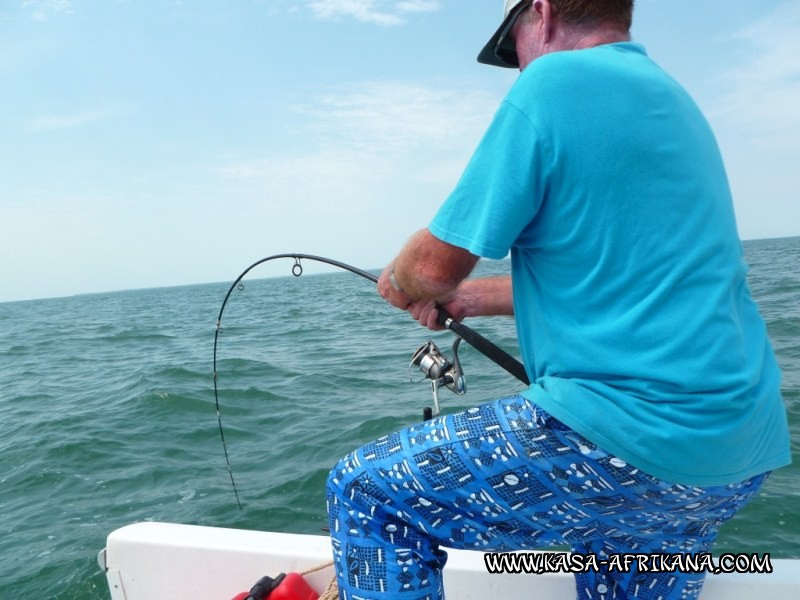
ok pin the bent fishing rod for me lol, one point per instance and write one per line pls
(431, 362)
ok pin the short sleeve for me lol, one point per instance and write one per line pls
(500, 191)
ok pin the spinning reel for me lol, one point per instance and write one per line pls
(441, 371)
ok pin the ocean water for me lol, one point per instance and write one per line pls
(108, 412)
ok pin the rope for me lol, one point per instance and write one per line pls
(332, 591)
(317, 568)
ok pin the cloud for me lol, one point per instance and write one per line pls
(65, 121)
(418, 6)
(380, 12)
(380, 124)
(381, 153)
(378, 135)
(41, 8)
(391, 117)
(762, 93)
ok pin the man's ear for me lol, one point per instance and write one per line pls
(546, 12)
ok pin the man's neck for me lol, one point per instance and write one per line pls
(579, 38)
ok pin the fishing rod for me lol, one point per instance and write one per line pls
(431, 362)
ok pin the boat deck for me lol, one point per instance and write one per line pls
(163, 561)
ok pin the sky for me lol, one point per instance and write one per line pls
(152, 143)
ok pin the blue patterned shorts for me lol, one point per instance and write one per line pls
(507, 476)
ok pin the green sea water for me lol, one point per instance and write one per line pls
(108, 410)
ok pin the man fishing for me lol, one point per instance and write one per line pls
(654, 412)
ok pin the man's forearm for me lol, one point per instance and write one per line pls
(429, 269)
(486, 297)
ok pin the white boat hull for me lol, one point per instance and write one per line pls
(164, 561)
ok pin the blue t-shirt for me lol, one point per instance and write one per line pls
(603, 179)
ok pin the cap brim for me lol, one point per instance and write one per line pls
(487, 56)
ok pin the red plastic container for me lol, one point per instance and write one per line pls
(291, 587)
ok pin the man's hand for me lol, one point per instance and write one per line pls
(390, 293)
(424, 311)
(429, 275)
(427, 313)
(484, 297)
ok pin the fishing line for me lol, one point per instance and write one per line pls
(490, 350)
